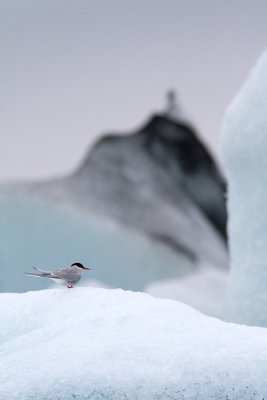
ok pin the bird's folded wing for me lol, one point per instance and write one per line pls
(65, 273)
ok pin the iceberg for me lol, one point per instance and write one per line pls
(244, 149)
(88, 343)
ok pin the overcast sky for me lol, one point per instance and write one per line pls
(72, 70)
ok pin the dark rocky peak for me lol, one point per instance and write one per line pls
(168, 155)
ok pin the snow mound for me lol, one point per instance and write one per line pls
(89, 343)
(244, 149)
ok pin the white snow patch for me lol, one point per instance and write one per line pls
(87, 343)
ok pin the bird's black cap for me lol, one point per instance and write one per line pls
(78, 265)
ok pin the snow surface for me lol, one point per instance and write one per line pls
(244, 151)
(88, 343)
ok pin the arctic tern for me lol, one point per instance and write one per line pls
(69, 276)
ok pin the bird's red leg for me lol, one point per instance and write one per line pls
(70, 287)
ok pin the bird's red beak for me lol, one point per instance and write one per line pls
(87, 268)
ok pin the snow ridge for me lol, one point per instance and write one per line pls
(112, 344)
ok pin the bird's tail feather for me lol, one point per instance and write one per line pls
(41, 275)
(38, 275)
(41, 270)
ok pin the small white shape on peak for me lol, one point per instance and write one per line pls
(173, 109)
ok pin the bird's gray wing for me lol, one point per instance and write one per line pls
(69, 274)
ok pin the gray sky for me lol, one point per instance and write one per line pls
(72, 70)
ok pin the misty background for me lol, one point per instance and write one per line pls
(73, 70)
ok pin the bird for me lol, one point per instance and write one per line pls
(69, 276)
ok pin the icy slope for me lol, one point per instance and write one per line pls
(244, 151)
(110, 344)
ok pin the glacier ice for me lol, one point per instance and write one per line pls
(88, 343)
(244, 152)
